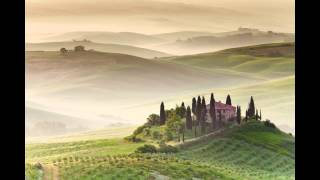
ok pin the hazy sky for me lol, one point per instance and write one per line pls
(44, 17)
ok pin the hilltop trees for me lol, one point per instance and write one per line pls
(63, 51)
(228, 100)
(212, 111)
(188, 118)
(153, 119)
(79, 48)
(162, 114)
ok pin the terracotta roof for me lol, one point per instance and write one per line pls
(220, 105)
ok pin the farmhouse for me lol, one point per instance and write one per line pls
(224, 112)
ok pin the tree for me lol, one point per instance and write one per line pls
(153, 119)
(162, 114)
(260, 115)
(257, 115)
(238, 114)
(228, 100)
(63, 51)
(203, 116)
(194, 106)
(246, 118)
(251, 108)
(198, 109)
(174, 125)
(212, 111)
(79, 48)
(183, 110)
(198, 114)
(188, 118)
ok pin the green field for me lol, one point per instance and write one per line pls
(270, 60)
(249, 151)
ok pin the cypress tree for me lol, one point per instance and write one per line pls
(246, 115)
(162, 114)
(194, 106)
(203, 121)
(228, 100)
(203, 115)
(198, 109)
(188, 118)
(257, 115)
(183, 110)
(238, 114)
(260, 115)
(251, 108)
(212, 111)
(198, 114)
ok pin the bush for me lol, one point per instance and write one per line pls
(268, 123)
(156, 135)
(147, 148)
(133, 138)
(167, 149)
(38, 166)
(140, 129)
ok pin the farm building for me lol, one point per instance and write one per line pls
(224, 111)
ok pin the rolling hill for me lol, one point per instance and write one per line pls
(124, 38)
(219, 41)
(249, 151)
(111, 48)
(101, 86)
(268, 60)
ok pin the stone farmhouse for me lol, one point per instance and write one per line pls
(224, 112)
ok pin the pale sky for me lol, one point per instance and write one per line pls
(44, 17)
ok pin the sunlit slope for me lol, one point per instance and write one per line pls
(111, 48)
(252, 151)
(98, 73)
(269, 60)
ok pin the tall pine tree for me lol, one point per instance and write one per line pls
(228, 100)
(162, 114)
(203, 115)
(188, 118)
(212, 111)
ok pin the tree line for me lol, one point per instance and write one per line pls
(176, 122)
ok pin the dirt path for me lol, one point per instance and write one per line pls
(50, 172)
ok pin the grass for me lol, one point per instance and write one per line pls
(258, 60)
(250, 151)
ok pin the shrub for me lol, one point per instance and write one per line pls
(133, 138)
(140, 129)
(38, 166)
(147, 148)
(155, 135)
(268, 123)
(167, 149)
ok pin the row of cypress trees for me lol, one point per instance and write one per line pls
(199, 111)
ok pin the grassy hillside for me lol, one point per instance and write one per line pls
(99, 86)
(111, 48)
(250, 151)
(268, 60)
